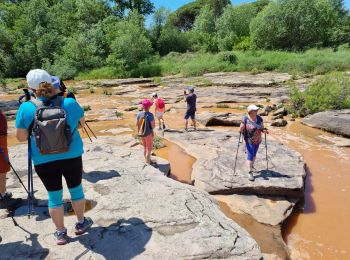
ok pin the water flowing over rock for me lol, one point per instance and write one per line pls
(336, 122)
(138, 213)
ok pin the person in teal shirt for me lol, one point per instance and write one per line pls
(52, 167)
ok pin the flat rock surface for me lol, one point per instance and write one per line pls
(138, 213)
(214, 169)
(337, 121)
(271, 211)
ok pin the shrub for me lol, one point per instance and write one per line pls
(222, 106)
(107, 92)
(118, 114)
(331, 92)
(86, 107)
(21, 85)
(228, 56)
(72, 90)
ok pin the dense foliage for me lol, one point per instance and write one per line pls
(77, 38)
(330, 92)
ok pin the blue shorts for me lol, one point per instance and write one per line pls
(190, 114)
(252, 149)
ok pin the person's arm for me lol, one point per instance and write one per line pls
(22, 134)
(81, 122)
(138, 125)
(241, 127)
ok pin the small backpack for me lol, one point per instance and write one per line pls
(161, 103)
(50, 129)
(146, 127)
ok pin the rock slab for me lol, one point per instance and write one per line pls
(138, 213)
(337, 121)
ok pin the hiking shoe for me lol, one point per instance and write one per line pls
(251, 177)
(82, 228)
(7, 196)
(186, 130)
(61, 237)
(164, 126)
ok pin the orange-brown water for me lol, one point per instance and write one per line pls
(321, 231)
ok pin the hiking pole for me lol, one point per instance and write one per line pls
(10, 164)
(85, 131)
(90, 130)
(30, 181)
(267, 161)
(239, 140)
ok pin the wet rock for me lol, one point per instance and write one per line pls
(279, 123)
(219, 119)
(280, 116)
(267, 210)
(292, 119)
(281, 111)
(214, 169)
(337, 121)
(247, 79)
(138, 213)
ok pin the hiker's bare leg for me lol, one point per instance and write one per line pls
(250, 164)
(148, 156)
(2, 182)
(186, 124)
(194, 123)
(79, 209)
(57, 215)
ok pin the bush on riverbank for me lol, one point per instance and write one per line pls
(314, 61)
(331, 92)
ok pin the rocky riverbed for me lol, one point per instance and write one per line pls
(263, 205)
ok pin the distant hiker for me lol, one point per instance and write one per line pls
(4, 166)
(159, 110)
(251, 127)
(55, 153)
(145, 124)
(191, 100)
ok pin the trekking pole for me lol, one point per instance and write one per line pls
(267, 161)
(85, 131)
(90, 130)
(239, 140)
(10, 164)
(30, 181)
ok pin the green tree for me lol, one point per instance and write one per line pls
(130, 46)
(160, 17)
(204, 30)
(294, 24)
(172, 40)
(143, 7)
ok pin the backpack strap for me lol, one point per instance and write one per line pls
(57, 101)
(37, 103)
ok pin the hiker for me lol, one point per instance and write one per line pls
(60, 88)
(159, 110)
(4, 166)
(251, 127)
(191, 100)
(52, 165)
(145, 124)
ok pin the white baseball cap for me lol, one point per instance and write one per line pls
(252, 108)
(37, 76)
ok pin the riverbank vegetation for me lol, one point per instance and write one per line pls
(88, 39)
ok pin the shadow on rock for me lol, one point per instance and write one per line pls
(266, 174)
(19, 250)
(96, 176)
(122, 240)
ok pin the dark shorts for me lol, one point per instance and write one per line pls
(252, 150)
(190, 114)
(51, 173)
